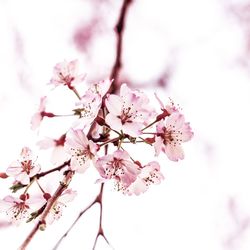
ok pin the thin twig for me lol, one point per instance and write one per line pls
(100, 232)
(66, 163)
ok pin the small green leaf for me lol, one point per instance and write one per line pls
(17, 187)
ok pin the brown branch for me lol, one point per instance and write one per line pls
(66, 163)
(100, 232)
(41, 224)
(119, 29)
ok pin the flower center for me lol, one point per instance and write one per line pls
(115, 168)
(171, 136)
(66, 79)
(18, 211)
(27, 166)
(125, 115)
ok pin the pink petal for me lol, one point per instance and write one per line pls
(114, 104)
(35, 170)
(14, 170)
(36, 121)
(23, 178)
(158, 145)
(175, 119)
(133, 128)
(114, 122)
(138, 187)
(46, 143)
(67, 196)
(174, 153)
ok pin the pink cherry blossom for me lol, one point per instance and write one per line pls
(171, 134)
(66, 73)
(91, 102)
(99, 88)
(24, 168)
(81, 149)
(149, 174)
(49, 142)
(40, 114)
(58, 155)
(57, 209)
(169, 108)
(128, 112)
(118, 166)
(17, 209)
(89, 106)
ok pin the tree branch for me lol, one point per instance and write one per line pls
(66, 163)
(41, 224)
(100, 232)
(119, 29)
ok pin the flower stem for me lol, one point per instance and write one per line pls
(76, 92)
(29, 185)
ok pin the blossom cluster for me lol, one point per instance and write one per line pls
(102, 119)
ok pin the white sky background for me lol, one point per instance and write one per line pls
(204, 201)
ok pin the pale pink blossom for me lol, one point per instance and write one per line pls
(58, 155)
(100, 88)
(81, 149)
(169, 108)
(17, 209)
(55, 212)
(128, 112)
(171, 133)
(40, 114)
(149, 174)
(25, 167)
(66, 73)
(89, 106)
(91, 102)
(118, 166)
(48, 142)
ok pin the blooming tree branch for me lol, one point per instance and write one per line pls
(41, 224)
(100, 232)
(108, 115)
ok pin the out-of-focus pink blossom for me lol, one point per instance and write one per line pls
(66, 73)
(24, 168)
(149, 174)
(49, 142)
(58, 155)
(81, 149)
(57, 209)
(17, 209)
(171, 133)
(40, 114)
(118, 166)
(128, 112)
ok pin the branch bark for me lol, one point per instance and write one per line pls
(119, 29)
